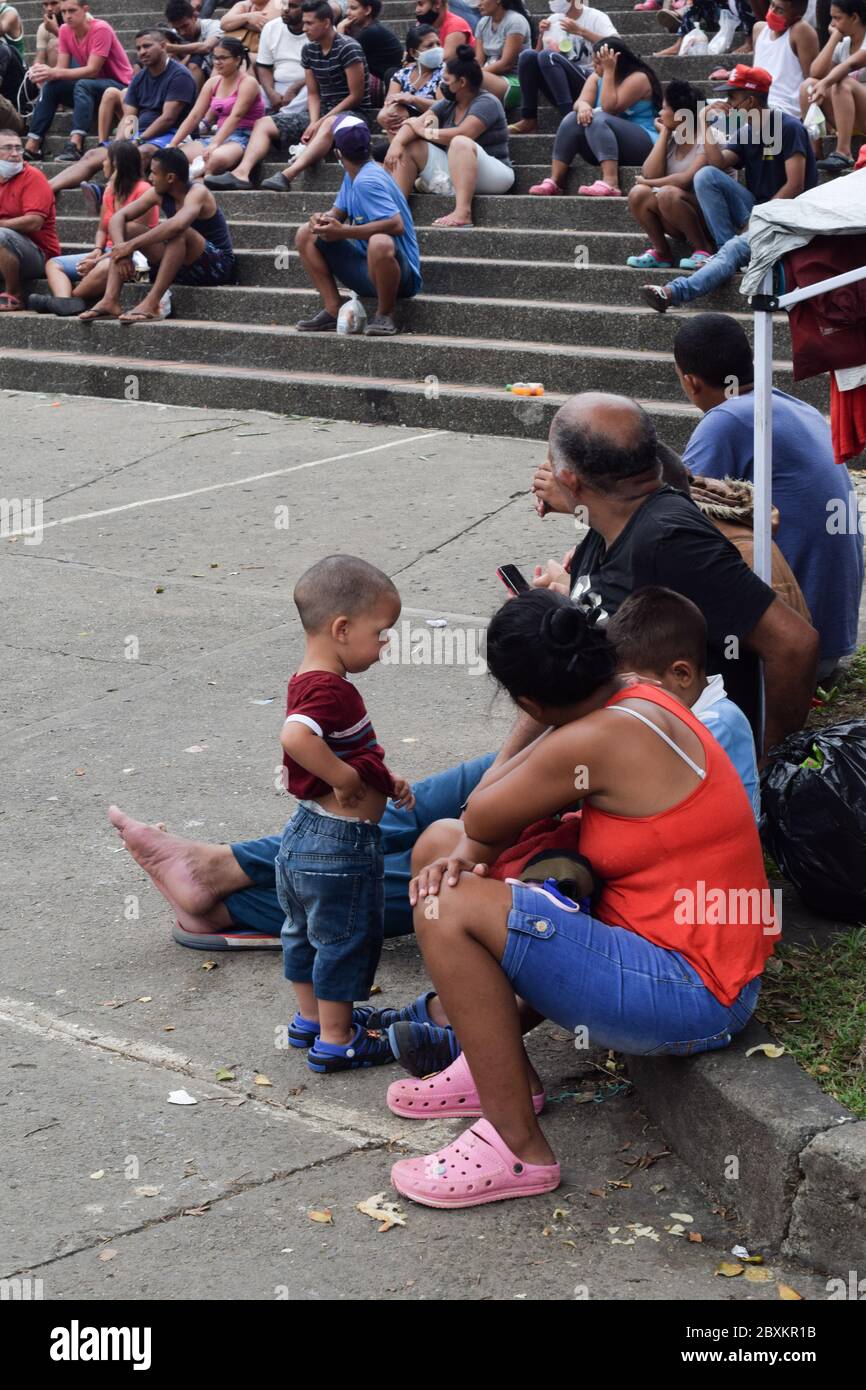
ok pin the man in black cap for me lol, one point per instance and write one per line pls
(366, 240)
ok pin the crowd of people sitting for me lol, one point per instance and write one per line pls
(286, 75)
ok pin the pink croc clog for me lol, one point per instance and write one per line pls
(599, 189)
(446, 1094)
(478, 1167)
(548, 188)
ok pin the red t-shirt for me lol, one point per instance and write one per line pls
(331, 707)
(99, 37)
(692, 878)
(30, 192)
(109, 208)
(455, 23)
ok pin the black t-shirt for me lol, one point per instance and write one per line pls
(669, 542)
(763, 162)
(382, 49)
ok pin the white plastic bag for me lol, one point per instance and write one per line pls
(694, 43)
(721, 42)
(815, 122)
(352, 317)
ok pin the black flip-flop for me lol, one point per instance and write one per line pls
(232, 939)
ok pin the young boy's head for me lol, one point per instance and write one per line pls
(347, 604)
(662, 634)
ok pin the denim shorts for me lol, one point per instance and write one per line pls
(237, 137)
(69, 264)
(330, 877)
(629, 994)
(348, 264)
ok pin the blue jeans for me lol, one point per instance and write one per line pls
(629, 994)
(725, 204)
(716, 272)
(83, 96)
(330, 882)
(436, 798)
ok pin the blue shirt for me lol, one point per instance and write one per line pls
(642, 113)
(811, 492)
(149, 94)
(373, 195)
(763, 162)
(730, 727)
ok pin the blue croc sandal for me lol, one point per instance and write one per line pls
(648, 261)
(422, 1048)
(416, 1012)
(304, 1031)
(365, 1050)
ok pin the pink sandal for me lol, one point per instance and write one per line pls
(478, 1167)
(446, 1094)
(599, 189)
(548, 188)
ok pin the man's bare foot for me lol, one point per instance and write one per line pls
(525, 126)
(194, 877)
(102, 310)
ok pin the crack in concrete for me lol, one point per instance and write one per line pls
(434, 550)
(238, 1189)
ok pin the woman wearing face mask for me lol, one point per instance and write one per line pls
(415, 87)
(613, 121)
(559, 72)
(459, 146)
(836, 79)
(503, 33)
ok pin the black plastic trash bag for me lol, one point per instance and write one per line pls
(813, 823)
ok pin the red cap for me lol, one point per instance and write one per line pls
(746, 79)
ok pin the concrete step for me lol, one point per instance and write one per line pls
(117, 372)
(476, 361)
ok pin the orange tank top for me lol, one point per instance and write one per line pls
(690, 879)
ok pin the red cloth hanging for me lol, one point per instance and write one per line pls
(828, 331)
(847, 420)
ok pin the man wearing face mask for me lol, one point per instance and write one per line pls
(28, 222)
(775, 154)
(366, 240)
(786, 47)
(451, 28)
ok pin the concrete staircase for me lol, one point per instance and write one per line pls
(538, 291)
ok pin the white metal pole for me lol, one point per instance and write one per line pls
(763, 447)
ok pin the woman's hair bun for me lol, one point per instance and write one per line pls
(564, 626)
(465, 52)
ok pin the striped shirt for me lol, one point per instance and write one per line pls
(332, 709)
(329, 70)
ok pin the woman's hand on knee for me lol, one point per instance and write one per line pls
(427, 883)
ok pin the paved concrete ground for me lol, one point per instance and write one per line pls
(167, 549)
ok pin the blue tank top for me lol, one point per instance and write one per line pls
(214, 229)
(643, 113)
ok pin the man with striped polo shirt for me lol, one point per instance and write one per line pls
(337, 82)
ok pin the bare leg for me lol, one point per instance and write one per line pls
(643, 206)
(110, 112)
(406, 165)
(193, 876)
(10, 272)
(849, 108)
(384, 270)
(264, 132)
(610, 172)
(681, 216)
(318, 269)
(463, 949)
(559, 171)
(463, 168)
(223, 158)
(58, 283)
(313, 152)
(90, 164)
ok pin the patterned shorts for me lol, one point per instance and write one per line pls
(213, 267)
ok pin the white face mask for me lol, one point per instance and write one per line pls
(558, 6)
(10, 168)
(431, 58)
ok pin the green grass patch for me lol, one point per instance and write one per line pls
(814, 1001)
(847, 699)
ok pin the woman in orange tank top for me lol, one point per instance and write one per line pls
(668, 962)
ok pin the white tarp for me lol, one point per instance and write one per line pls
(837, 208)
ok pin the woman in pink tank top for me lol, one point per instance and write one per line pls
(667, 960)
(229, 105)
